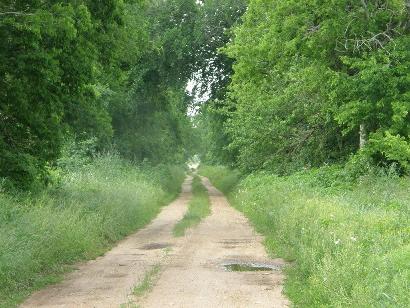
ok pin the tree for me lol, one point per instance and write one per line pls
(213, 74)
(63, 64)
(150, 119)
(305, 81)
(44, 65)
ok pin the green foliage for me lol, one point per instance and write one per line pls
(149, 117)
(224, 178)
(169, 177)
(31, 100)
(93, 206)
(47, 77)
(213, 28)
(214, 69)
(349, 247)
(306, 76)
(378, 97)
(76, 153)
(212, 139)
(110, 70)
(199, 208)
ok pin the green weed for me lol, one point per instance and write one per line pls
(148, 282)
(198, 208)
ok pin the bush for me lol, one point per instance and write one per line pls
(93, 206)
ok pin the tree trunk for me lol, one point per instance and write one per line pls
(363, 135)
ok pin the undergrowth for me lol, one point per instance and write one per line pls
(350, 242)
(92, 206)
(198, 209)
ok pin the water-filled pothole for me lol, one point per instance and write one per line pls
(250, 267)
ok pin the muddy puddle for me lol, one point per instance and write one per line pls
(250, 267)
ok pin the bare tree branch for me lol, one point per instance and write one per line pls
(15, 13)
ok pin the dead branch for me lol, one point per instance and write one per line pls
(15, 13)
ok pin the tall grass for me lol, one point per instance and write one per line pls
(350, 243)
(91, 208)
(199, 208)
(222, 177)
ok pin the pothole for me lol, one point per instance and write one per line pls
(152, 246)
(250, 267)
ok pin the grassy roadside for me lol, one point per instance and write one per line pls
(350, 243)
(199, 208)
(92, 207)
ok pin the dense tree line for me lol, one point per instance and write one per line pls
(291, 84)
(315, 82)
(111, 71)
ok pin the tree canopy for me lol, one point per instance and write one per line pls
(110, 70)
(289, 84)
(315, 82)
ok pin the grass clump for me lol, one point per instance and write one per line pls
(350, 243)
(92, 206)
(198, 209)
(147, 283)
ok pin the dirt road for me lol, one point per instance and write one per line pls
(192, 267)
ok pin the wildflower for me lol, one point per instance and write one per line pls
(337, 242)
(354, 239)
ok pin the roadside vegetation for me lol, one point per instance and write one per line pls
(348, 243)
(314, 124)
(199, 208)
(78, 80)
(307, 102)
(92, 206)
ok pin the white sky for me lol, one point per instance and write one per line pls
(198, 99)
